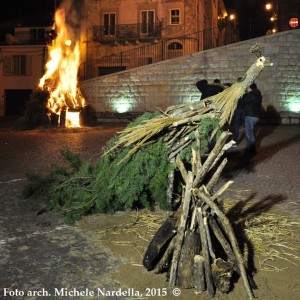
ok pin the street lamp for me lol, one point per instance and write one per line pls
(272, 10)
(269, 6)
(232, 17)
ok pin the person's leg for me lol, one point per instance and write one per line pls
(249, 132)
(237, 117)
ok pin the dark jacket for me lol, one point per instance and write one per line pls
(251, 103)
(240, 103)
(208, 90)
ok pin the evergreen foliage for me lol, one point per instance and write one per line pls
(117, 181)
(136, 181)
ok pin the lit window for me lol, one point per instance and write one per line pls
(175, 16)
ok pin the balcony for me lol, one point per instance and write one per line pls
(127, 32)
(27, 37)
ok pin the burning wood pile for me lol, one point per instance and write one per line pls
(60, 79)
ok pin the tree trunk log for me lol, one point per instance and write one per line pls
(211, 158)
(171, 176)
(222, 273)
(165, 262)
(205, 254)
(177, 150)
(178, 110)
(181, 167)
(181, 229)
(159, 243)
(199, 276)
(223, 241)
(229, 231)
(191, 247)
(214, 179)
(196, 118)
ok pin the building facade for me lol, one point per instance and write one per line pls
(109, 32)
(114, 28)
(158, 86)
(22, 60)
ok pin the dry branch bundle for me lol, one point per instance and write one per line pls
(199, 213)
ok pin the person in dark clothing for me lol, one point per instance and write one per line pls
(217, 86)
(202, 86)
(237, 119)
(251, 103)
(208, 90)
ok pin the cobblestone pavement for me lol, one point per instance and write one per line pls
(272, 176)
(40, 253)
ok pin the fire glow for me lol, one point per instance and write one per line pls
(60, 77)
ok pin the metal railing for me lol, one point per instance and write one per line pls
(167, 48)
(226, 33)
(127, 31)
(27, 38)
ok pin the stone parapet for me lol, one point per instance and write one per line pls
(157, 86)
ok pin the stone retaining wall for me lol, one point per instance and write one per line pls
(172, 82)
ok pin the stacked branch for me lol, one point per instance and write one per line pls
(197, 246)
(220, 106)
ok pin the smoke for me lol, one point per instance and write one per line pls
(73, 12)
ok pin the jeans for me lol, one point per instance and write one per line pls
(237, 119)
(250, 122)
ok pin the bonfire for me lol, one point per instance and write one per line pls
(60, 79)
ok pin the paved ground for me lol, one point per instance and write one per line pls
(39, 253)
(273, 175)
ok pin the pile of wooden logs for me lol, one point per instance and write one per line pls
(196, 245)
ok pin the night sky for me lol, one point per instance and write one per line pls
(32, 12)
(252, 18)
(42, 9)
(28, 11)
(245, 8)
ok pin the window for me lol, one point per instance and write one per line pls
(37, 35)
(175, 46)
(148, 22)
(175, 16)
(17, 65)
(175, 49)
(109, 21)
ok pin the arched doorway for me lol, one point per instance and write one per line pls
(175, 49)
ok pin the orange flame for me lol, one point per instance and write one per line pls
(60, 77)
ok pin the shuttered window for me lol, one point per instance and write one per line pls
(148, 21)
(109, 21)
(17, 65)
